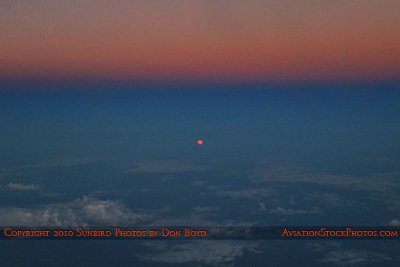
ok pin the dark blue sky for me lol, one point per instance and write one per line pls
(313, 124)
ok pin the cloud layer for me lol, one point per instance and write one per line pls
(214, 253)
(85, 211)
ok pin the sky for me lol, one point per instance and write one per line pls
(192, 40)
(102, 103)
(335, 127)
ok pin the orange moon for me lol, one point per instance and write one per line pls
(200, 142)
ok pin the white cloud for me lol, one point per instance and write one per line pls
(22, 187)
(80, 212)
(394, 222)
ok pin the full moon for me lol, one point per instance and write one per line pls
(200, 142)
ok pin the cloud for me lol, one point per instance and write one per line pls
(31, 168)
(251, 193)
(22, 187)
(262, 207)
(166, 167)
(206, 210)
(191, 219)
(395, 223)
(354, 258)
(289, 211)
(382, 187)
(80, 212)
(331, 199)
(387, 182)
(392, 200)
(199, 183)
(214, 253)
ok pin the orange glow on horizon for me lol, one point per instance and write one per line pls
(201, 40)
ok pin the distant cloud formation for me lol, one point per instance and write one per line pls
(251, 193)
(293, 175)
(22, 187)
(347, 254)
(289, 211)
(354, 258)
(214, 253)
(80, 212)
(166, 166)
